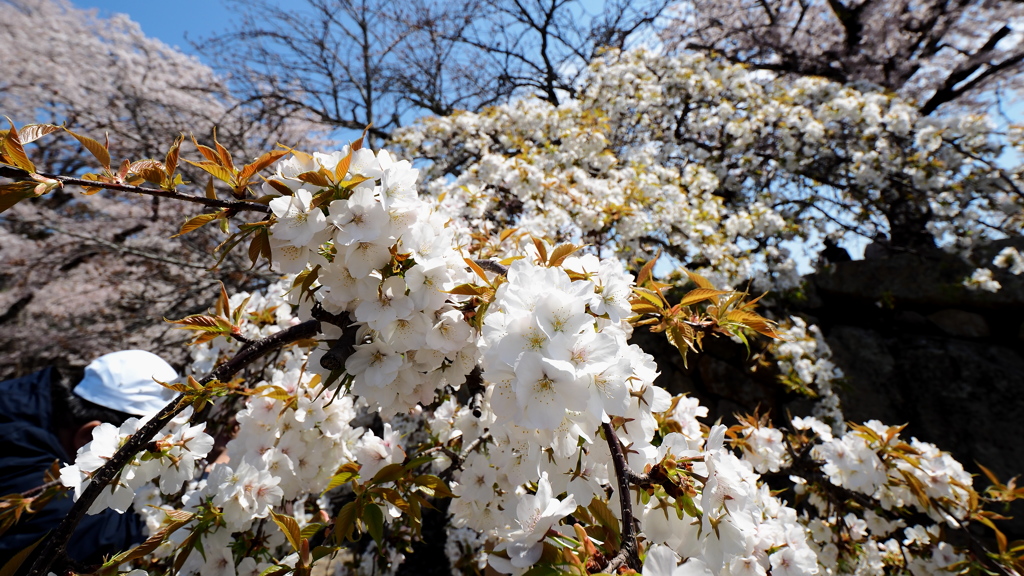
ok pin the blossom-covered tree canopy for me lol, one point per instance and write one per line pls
(942, 54)
(442, 349)
(717, 165)
(84, 278)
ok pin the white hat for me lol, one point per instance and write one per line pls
(126, 381)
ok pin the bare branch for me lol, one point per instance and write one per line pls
(235, 205)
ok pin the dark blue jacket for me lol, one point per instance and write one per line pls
(28, 446)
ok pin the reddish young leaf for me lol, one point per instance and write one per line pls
(15, 152)
(699, 295)
(646, 273)
(700, 281)
(99, 151)
(219, 172)
(561, 252)
(223, 154)
(264, 161)
(171, 159)
(358, 144)
(206, 151)
(196, 222)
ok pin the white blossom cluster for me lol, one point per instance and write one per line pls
(411, 340)
(742, 528)
(873, 460)
(981, 279)
(178, 447)
(804, 360)
(1011, 259)
(292, 437)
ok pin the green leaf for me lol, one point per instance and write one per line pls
(344, 476)
(543, 570)
(389, 473)
(680, 336)
(275, 570)
(393, 498)
(310, 530)
(688, 506)
(345, 523)
(228, 245)
(154, 541)
(260, 245)
(374, 520)
(605, 517)
(437, 487)
(12, 565)
(353, 181)
(290, 528)
(470, 290)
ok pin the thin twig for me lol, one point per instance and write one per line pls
(234, 205)
(459, 459)
(41, 488)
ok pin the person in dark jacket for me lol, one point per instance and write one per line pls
(47, 416)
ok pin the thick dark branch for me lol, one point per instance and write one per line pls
(492, 266)
(18, 174)
(953, 88)
(628, 550)
(55, 545)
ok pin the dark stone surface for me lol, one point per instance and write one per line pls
(919, 349)
(916, 347)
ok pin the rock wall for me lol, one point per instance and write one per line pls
(916, 347)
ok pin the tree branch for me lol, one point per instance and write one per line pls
(238, 206)
(54, 547)
(628, 552)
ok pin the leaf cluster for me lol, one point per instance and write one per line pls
(685, 324)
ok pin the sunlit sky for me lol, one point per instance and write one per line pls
(169, 21)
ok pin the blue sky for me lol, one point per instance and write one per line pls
(169, 21)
